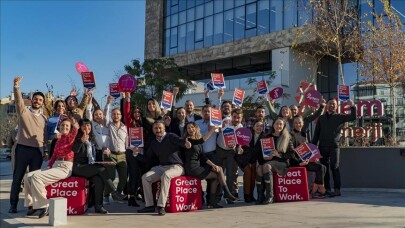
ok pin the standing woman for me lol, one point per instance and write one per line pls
(85, 151)
(197, 165)
(59, 109)
(277, 162)
(59, 167)
(177, 123)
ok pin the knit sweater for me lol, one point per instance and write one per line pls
(167, 152)
(31, 127)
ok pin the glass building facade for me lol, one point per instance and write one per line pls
(196, 24)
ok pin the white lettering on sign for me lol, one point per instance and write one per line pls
(73, 184)
(63, 192)
(71, 211)
(186, 182)
(184, 207)
(286, 196)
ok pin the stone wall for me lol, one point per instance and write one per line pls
(154, 23)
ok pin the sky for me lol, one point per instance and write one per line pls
(42, 41)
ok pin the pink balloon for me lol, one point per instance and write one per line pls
(127, 83)
(81, 67)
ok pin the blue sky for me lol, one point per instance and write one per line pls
(42, 41)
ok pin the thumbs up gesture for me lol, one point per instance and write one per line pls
(85, 136)
(187, 144)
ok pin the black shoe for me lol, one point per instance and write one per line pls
(161, 211)
(100, 209)
(31, 211)
(117, 196)
(132, 202)
(229, 201)
(318, 195)
(330, 194)
(214, 206)
(268, 201)
(337, 192)
(43, 212)
(12, 210)
(149, 209)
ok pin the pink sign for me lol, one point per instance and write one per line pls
(316, 154)
(127, 83)
(243, 136)
(81, 67)
(293, 186)
(276, 93)
(312, 98)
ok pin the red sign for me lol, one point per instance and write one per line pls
(228, 134)
(136, 136)
(276, 93)
(167, 100)
(293, 186)
(114, 90)
(81, 67)
(184, 194)
(238, 96)
(74, 189)
(303, 151)
(127, 83)
(216, 117)
(267, 146)
(312, 98)
(218, 80)
(262, 87)
(243, 136)
(344, 92)
(88, 80)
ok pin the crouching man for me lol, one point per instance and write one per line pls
(165, 149)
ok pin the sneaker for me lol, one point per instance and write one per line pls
(12, 210)
(100, 209)
(117, 196)
(43, 212)
(337, 192)
(107, 200)
(31, 211)
(149, 209)
(318, 195)
(330, 194)
(161, 211)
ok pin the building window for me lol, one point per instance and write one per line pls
(199, 12)
(228, 26)
(190, 36)
(239, 23)
(251, 16)
(199, 27)
(290, 14)
(208, 31)
(218, 6)
(181, 45)
(276, 15)
(228, 4)
(263, 16)
(209, 8)
(218, 28)
(173, 37)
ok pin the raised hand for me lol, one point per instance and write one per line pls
(168, 120)
(175, 90)
(110, 99)
(73, 92)
(17, 81)
(187, 144)
(220, 93)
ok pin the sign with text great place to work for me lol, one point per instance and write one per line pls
(218, 80)
(88, 80)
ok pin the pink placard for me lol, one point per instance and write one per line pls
(312, 98)
(276, 93)
(81, 67)
(127, 83)
(243, 136)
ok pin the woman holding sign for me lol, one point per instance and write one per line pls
(84, 165)
(299, 137)
(275, 161)
(197, 165)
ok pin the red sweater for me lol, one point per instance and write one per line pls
(63, 147)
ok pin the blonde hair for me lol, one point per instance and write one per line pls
(197, 134)
(158, 111)
(284, 139)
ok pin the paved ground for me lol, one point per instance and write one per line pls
(356, 208)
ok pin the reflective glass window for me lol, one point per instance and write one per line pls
(174, 20)
(199, 27)
(174, 9)
(251, 16)
(199, 2)
(290, 14)
(199, 12)
(263, 16)
(167, 39)
(209, 8)
(174, 2)
(228, 4)
(190, 3)
(199, 45)
(167, 22)
(173, 37)
(182, 17)
(190, 14)
(208, 31)
(218, 28)
(181, 46)
(218, 6)
(304, 12)
(168, 6)
(228, 26)
(182, 5)
(190, 36)
(276, 15)
(239, 3)
(239, 23)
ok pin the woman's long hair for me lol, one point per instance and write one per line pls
(280, 113)
(158, 113)
(197, 134)
(139, 122)
(284, 139)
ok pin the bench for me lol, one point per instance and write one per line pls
(75, 190)
(184, 194)
(291, 187)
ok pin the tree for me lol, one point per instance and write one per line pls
(383, 60)
(7, 125)
(157, 75)
(333, 31)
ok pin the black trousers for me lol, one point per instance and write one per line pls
(330, 159)
(25, 156)
(319, 170)
(134, 172)
(98, 176)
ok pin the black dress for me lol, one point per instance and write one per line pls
(195, 160)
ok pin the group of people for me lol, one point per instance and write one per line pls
(95, 144)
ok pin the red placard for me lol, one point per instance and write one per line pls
(218, 80)
(267, 146)
(303, 151)
(114, 90)
(293, 186)
(167, 100)
(344, 92)
(238, 96)
(276, 93)
(216, 117)
(262, 87)
(88, 80)
(228, 133)
(136, 136)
